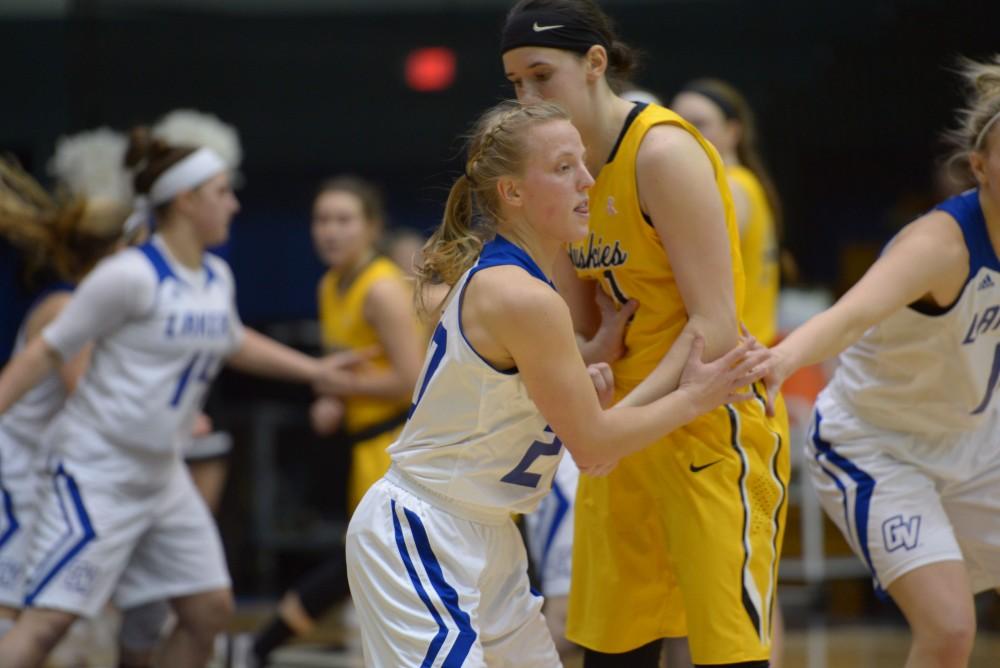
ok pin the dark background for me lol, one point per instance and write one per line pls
(851, 98)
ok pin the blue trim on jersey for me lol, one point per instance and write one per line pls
(865, 487)
(442, 633)
(500, 251)
(11, 518)
(466, 634)
(209, 274)
(497, 253)
(160, 264)
(440, 340)
(88, 533)
(562, 507)
(968, 213)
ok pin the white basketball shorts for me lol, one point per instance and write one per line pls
(437, 585)
(906, 500)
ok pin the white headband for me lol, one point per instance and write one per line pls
(190, 172)
(141, 211)
(986, 128)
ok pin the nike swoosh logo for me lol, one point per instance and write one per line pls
(695, 469)
(538, 28)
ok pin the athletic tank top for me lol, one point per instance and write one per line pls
(343, 327)
(933, 370)
(624, 254)
(474, 435)
(759, 248)
(27, 419)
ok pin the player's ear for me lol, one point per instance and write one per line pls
(596, 61)
(509, 190)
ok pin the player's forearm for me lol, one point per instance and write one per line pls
(382, 384)
(664, 378)
(262, 356)
(623, 430)
(823, 336)
(25, 371)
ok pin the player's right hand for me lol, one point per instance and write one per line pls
(325, 415)
(609, 340)
(725, 380)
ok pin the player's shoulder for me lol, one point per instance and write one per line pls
(936, 232)
(129, 263)
(508, 290)
(218, 266)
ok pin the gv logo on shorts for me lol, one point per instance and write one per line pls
(897, 532)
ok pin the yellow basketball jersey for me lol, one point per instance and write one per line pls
(759, 247)
(683, 537)
(624, 253)
(343, 326)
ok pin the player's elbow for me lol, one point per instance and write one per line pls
(588, 452)
(719, 330)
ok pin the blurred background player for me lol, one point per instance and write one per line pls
(162, 319)
(365, 303)
(72, 235)
(903, 446)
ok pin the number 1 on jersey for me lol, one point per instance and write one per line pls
(203, 376)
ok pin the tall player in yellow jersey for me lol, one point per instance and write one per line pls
(723, 116)
(683, 537)
(365, 303)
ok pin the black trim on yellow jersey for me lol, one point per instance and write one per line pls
(636, 110)
(377, 429)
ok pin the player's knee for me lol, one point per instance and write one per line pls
(43, 633)
(947, 638)
(142, 626)
(209, 614)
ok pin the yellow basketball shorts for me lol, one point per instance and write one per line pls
(369, 462)
(683, 538)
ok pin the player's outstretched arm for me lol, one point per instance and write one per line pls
(928, 259)
(528, 320)
(25, 370)
(261, 355)
(690, 220)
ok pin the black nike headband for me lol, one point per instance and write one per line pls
(549, 29)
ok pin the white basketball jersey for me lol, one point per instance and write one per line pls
(22, 425)
(933, 370)
(149, 373)
(473, 434)
(27, 419)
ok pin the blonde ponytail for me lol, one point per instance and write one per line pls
(497, 148)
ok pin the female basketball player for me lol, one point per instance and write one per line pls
(120, 512)
(903, 450)
(71, 236)
(662, 232)
(364, 301)
(723, 116)
(436, 565)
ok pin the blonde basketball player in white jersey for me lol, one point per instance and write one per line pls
(436, 566)
(904, 450)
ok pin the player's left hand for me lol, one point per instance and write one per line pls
(335, 372)
(604, 383)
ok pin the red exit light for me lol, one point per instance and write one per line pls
(430, 69)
